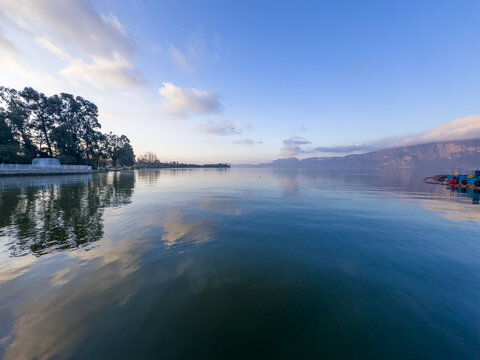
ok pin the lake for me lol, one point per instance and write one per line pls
(238, 263)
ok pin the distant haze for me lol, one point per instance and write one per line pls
(458, 129)
(436, 156)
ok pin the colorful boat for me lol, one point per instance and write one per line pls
(466, 181)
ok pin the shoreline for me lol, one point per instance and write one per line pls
(36, 172)
(50, 172)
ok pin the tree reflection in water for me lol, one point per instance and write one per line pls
(57, 214)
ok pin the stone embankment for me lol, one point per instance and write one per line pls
(22, 169)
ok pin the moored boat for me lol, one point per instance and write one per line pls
(467, 181)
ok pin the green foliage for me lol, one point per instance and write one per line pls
(9, 147)
(62, 126)
(120, 150)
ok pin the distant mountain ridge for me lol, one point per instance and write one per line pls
(460, 154)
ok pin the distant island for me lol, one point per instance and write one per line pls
(177, 165)
(150, 160)
(457, 154)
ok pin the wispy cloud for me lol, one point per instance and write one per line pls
(10, 57)
(97, 48)
(57, 51)
(223, 128)
(459, 129)
(8, 53)
(180, 103)
(194, 53)
(227, 128)
(247, 141)
(74, 22)
(102, 72)
(244, 142)
(7, 47)
(180, 59)
(291, 146)
(343, 149)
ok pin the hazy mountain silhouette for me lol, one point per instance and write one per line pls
(438, 155)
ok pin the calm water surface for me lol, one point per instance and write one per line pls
(238, 263)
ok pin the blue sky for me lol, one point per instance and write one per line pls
(252, 81)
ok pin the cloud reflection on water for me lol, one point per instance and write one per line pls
(453, 210)
(64, 293)
(406, 185)
(176, 229)
(85, 286)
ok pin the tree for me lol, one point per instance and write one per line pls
(63, 126)
(149, 157)
(42, 120)
(76, 135)
(120, 150)
(9, 147)
(17, 117)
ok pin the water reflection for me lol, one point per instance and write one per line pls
(152, 176)
(389, 180)
(9, 182)
(177, 228)
(457, 205)
(466, 193)
(303, 263)
(51, 324)
(58, 213)
(454, 204)
(289, 182)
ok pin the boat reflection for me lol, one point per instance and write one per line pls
(466, 193)
(399, 184)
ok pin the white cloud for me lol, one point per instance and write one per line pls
(102, 72)
(47, 44)
(9, 60)
(458, 129)
(180, 102)
(74, 22)
(291, 146)
(96, 47)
